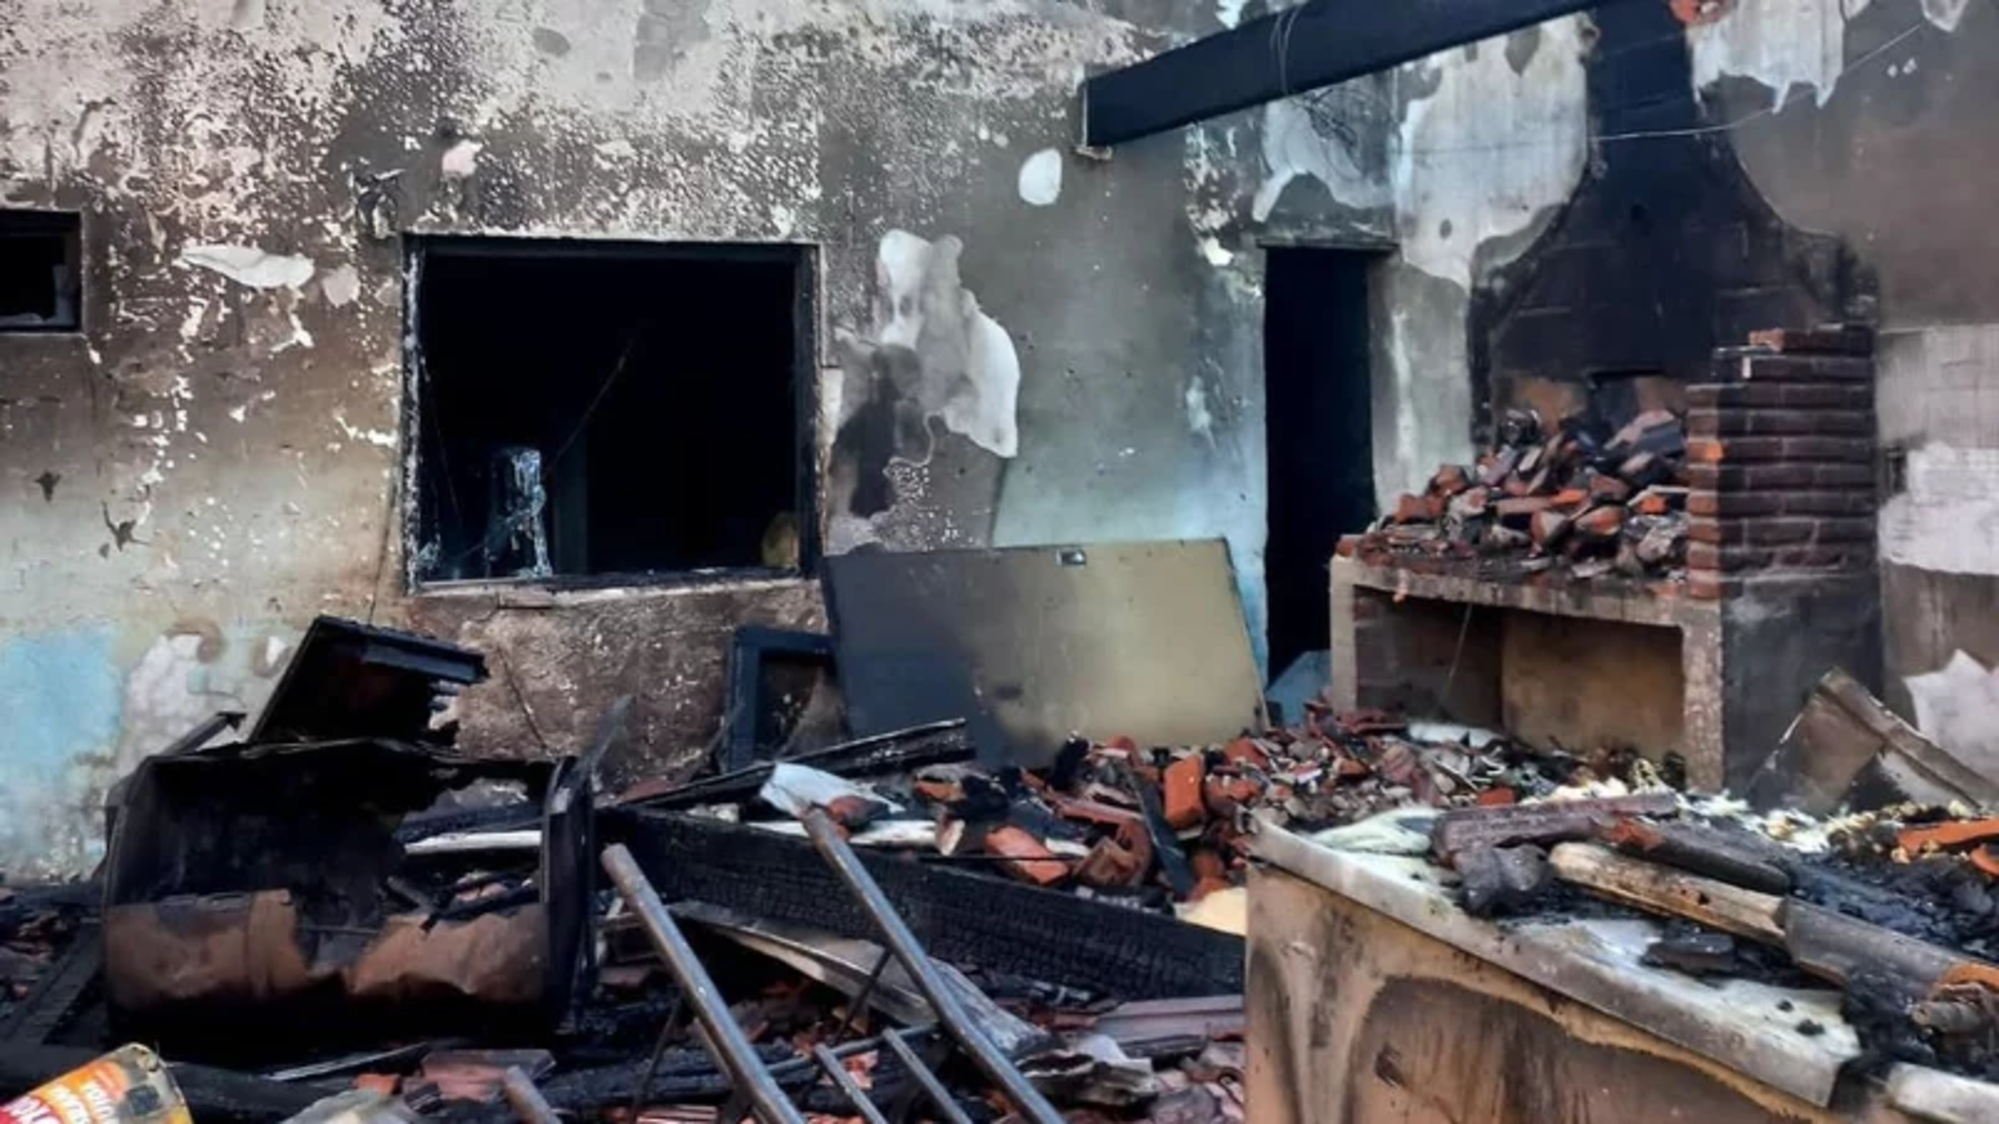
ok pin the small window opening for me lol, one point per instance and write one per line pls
(41, 256)
(595, 410)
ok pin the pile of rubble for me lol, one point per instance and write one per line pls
(1167, 828)
(1895, 905)
(1569, 500)
(392, 931)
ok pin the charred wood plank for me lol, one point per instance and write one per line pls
(1659, 889)
(1699, 849)
(1544, 824)
(960, 917)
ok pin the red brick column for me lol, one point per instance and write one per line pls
(1781, 460)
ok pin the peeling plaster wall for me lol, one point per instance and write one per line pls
(217, 457)
(1480, 147)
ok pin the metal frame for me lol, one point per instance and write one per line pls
(749, 1078)
(916, 962)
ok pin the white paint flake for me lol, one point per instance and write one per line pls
(1946, 518)
(1491, 151)
(380, 437)
(342, 287)
(250, 266)
(1040, 180)
(461, 160)
(1216, 254)
(1200, 419)
(1229, 12)
(1957, 705)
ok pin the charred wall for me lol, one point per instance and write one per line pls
(1873, 123)
(1016, 344)
(1665, 251)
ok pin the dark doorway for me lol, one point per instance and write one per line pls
(1317, 431)
(595, 410)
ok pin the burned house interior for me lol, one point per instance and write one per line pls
(786, 560)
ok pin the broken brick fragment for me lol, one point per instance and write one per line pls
(1245, 751)
(1571, 497)
(1415, 509)
(1450, 479)
(1027, 857)
(1110, 864)
(1517, 512)
(1609, 489)
(1183, 791)
(941, 792)
(1601, 523)
(1547, 528)
(1947, 836)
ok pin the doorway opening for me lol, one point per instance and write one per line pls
(597, 412)
(1318, 436)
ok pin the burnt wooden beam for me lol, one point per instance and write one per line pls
(962, 918)
(1318, 43)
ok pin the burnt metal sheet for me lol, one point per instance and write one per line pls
(353, 680)
(247, 899)
(1033, 644)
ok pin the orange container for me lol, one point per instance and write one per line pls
(129, 1085)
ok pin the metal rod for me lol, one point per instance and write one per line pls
(658, 1053)
(732, 1050)
(844, 1081)
(915, 961)
(784, 1070)
(526, 1100)
(927, 1081)
(860, 1001)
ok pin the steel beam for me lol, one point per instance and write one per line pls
(1318, 43)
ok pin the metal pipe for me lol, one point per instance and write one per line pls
(927, 1081)
(844, 1081)
(961, 1026)
(732, 1050)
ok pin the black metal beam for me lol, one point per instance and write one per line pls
(1318, 43)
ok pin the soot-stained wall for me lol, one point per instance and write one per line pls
(1617, 193)
(1884, 136)
(1018, 344)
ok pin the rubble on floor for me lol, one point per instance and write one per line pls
(1161, 828)
(1572, 502)
(337, 917)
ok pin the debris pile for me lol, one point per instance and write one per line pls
(1897, 906)
(1166, 828)
(1571, 500)
(337, 915)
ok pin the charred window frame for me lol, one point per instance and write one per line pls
(41, 272)
(643, 403)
